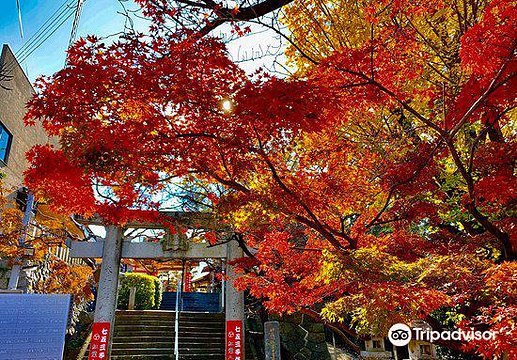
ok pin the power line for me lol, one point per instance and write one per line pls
(68, 16)
(64, 11)
(46, 30)
(44, 26)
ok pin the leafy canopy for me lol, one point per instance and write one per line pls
(376, 186)
(44, 235)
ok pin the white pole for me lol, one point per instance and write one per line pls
(177, 320)
(223, 292)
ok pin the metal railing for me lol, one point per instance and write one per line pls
(177, 320)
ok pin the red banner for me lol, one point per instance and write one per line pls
(188, 281)
(234, 340)
(99, 341)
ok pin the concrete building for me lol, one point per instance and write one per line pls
(15, 140)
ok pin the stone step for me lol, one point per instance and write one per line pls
(136, 345)
(166, 357)
(170, 339)
(143, 339)
(182, 326)
(154, 336)
(183, 333)
(169, 334)
(164, 351)
(198, 317)
(182, 322)
(167, 344)
(201, 334)
(142, 357)
(188, 320)
(167, 330)
(169, 318)
(169, 357)
(183, 338)
(171, 323)
(165, 314)
(149, 334)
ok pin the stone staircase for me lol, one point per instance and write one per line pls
(149, 334)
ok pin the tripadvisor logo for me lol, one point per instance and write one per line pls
(401, 334)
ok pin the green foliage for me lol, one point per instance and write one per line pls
(449, 354)
(148, 291)
(158, 289)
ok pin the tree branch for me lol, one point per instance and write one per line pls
(247, 13)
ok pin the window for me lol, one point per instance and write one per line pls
(425, 349)
(5, 143)
(377, 344)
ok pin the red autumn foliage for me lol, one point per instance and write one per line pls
(376, 186)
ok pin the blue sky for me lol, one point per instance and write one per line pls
(99, 17)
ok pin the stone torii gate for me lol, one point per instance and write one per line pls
(112, 248)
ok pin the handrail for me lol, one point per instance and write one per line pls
(84, 348)
(177, 320)
(223, 293)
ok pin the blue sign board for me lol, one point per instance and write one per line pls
(192, 301)
(33, 326)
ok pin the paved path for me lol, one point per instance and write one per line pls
(339, 354)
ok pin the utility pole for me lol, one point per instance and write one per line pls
(75, 25)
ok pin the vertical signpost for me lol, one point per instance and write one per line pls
(188, 281)
(99, 341)
(234, 340)
(272, 340)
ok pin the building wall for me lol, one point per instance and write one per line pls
(15, 91)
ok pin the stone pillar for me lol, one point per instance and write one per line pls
(272, 340)
(234, 299)
(132, 297)
(106, 304)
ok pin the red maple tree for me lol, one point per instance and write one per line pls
(369, 191)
